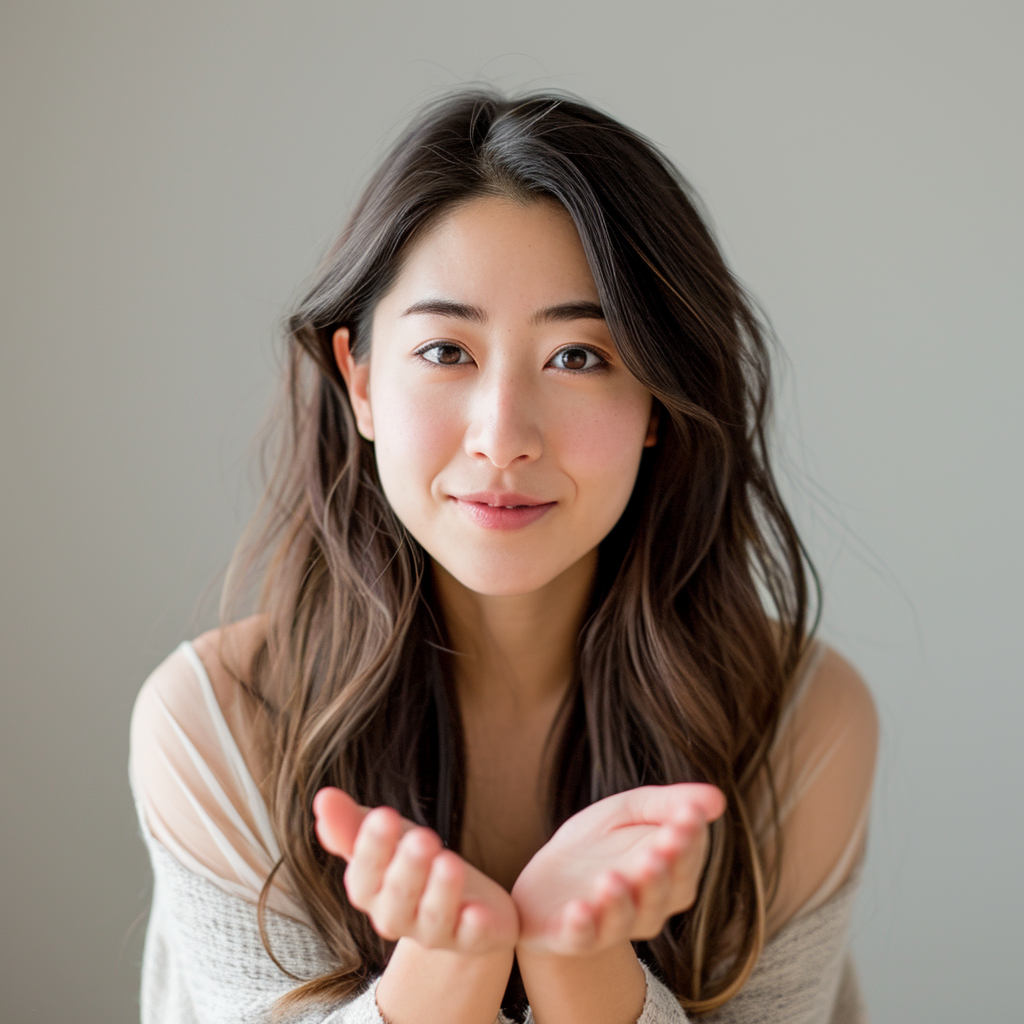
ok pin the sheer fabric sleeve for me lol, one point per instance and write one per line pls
(823, 763)
(193, 788)
(211, 846)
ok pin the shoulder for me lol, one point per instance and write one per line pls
(227, 653)
(823, 764)
(834, 714)
(174, 690)
(191, 759)
(835, 700)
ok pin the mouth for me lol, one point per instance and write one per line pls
(503, 499)
(503, 511)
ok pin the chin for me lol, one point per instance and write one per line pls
(501, 578)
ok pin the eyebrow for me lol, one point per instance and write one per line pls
(562, 312)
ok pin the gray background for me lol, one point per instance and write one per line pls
(171, 172)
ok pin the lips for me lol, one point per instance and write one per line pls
(503, 499)
(503, 510)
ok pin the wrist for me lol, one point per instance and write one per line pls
(607, 987)
(424, 986)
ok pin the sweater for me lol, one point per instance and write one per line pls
(204, 963)
(211, 846)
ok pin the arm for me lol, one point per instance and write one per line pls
(612, 874)
(204, 961)
(455, 927)
(438, 986)
(804, 974)
(608, 987)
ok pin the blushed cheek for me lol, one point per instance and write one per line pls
(601, 448)
(416, 436)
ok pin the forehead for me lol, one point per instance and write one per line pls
(499, 254)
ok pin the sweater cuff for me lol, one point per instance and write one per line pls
(364, 1009)
(361, 1010)
(660, 1003)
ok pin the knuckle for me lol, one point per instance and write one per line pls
(431, 935)
(385, 924)
(358, 894)
(402, 890)
(430, 918)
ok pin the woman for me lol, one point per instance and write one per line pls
(529, 719)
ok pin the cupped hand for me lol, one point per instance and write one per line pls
(401, 876)
(617, 870)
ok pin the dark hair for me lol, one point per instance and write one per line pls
(700, 608)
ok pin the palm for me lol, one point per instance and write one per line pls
(617, 869)
(480, 912)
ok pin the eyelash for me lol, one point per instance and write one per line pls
(602, 364)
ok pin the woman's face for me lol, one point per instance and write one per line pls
(493, 381)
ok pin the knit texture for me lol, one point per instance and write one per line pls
(204, 963)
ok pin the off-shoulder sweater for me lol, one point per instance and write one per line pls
(205, 963)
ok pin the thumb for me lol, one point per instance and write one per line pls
(657, 804)
(338, 818)
(708, 799)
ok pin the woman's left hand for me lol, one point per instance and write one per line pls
(617, 870)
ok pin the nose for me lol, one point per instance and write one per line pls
(503, 425)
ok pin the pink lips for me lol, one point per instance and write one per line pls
(503, 510)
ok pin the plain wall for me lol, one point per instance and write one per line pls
(172, 172)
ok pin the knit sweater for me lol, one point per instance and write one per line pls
(211, 845)
(204, 963)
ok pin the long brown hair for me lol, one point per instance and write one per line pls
(699, 614)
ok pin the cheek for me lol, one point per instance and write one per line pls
(415, 434)
(600, 447)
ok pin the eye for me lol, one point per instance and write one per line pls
(444, 353)
(579, 358)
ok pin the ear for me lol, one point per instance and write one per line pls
(652, 428)
(357, 380)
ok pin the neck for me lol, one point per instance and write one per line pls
(516, 651)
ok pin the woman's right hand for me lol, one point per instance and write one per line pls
(401, 876)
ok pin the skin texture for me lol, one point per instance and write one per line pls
(507, 399)
(509, 416)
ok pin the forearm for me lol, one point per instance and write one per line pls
(436, 986)
(602, 988)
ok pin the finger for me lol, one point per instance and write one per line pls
(394, 907)
(578, 927)
(681, 833)
(615, 909)
(653, 805)
(653, 894)
(374, 847)
(338, 818)
(438, 913)
(473, 930)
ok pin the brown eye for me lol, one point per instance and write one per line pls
(576, 359)
(444, 354)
